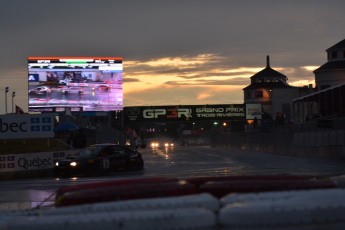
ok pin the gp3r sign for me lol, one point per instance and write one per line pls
(26, 126)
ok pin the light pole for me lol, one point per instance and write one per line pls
(13, 95)
(6, 91)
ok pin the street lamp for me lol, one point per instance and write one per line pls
(6, 91)
(13, 95)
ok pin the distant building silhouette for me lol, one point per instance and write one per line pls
(270, 88)
(333, 72)
(329, 100)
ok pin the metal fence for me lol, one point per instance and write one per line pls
(315, 139)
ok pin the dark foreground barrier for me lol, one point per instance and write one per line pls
(140, 188)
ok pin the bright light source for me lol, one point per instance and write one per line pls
(154, 144)
(73, 164)
(89, 69)
(57, 164)
(168, 144)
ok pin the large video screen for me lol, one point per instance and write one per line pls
(57, 84)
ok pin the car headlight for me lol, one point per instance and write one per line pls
(57, 164)
(154, 144)
(73, 164)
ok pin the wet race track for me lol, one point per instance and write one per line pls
(178, 161)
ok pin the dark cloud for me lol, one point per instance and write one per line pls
(129, 79)
(294, 32)
(229, 82)
(240, 32)
(218, 74)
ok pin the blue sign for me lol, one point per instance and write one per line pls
(34, 77)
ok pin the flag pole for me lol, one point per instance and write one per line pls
(13, 95)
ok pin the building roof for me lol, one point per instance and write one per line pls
(268, 85)
(339, 45)
(268, 72)
(319, 92)
(332, 65)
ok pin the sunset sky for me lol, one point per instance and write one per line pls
(174, 52)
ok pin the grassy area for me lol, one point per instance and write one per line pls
(31, 145)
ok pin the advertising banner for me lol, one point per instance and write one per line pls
(79, 83)
(17, 126)
(28, 161)
(184, 113)
(253, 110)
(31, 161)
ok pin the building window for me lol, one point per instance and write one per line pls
(259, 94)
(334, 54)
(248, 95)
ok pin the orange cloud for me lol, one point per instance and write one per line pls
(204, 78)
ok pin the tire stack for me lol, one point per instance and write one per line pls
(233, 202)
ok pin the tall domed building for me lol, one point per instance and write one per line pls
(333, 72)
(269, 88)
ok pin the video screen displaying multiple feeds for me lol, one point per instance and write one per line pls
(75, 83)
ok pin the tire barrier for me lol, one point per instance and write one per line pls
(105, 184)
(126, 192)
(168, 219)
(205, 201)
(288, 210)
(201, 180)
(222, 185)
(136, 188)
(221, 188)
(315, 209)
(310, 195)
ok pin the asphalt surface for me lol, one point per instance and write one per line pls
(179, 161)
